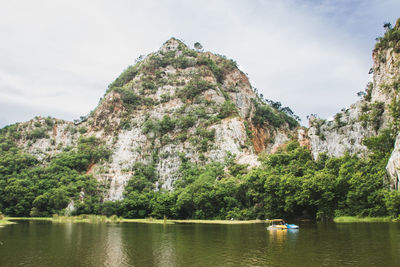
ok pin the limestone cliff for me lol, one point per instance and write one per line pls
(174, 103)
(378, 109)
(393, 166)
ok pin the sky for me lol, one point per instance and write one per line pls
(58, 57)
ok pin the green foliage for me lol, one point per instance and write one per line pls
(126, 76)
(143, 178)
(11, 132)
(29, 188)
(392, 203)
(219, 68)
(288, 184)
(394, 109)
(149, 85)
(165, 98)
(193, 88)
(249, 133)
(125, 123)
(49, 121)
(163, 59)
(391, 38)
(381, 145)
(37, 133)
(198, 46)
(368, 91)
(163, 126)
(215, 69)
(292, 122)
(266, 114)
(166, 124)
(182, 62)
(186, 121)
(129, 98)
(371, 114)
(227, 109)
(189, 53)
(274, 115)
(148, 126)
(338, 120)
(82, 130)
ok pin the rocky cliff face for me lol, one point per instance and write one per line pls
(175, 103)
(393, 166)
(378, 109)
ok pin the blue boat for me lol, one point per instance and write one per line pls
(291, 226)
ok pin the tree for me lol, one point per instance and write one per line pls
(361, 94)
(198, 46)
(387, 26)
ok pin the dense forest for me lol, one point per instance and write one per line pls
(288, 184)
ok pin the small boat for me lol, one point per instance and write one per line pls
(279, 224)
(291, 226)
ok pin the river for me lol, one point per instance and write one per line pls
(35, 243)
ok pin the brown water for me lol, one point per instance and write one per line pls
(133, 244)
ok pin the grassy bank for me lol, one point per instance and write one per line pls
(5, 222)
(148, 220)
(86, 219)
(29, 218)
(219, 221)
(115, 219)
(353, 219)
(161, 221)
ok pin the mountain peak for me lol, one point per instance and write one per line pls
(172, 44)
(173, 106)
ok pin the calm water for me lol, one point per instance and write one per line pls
(132, 244)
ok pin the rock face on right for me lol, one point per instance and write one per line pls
(378, 109)
(393, 166)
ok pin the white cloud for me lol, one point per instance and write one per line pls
(57, 57)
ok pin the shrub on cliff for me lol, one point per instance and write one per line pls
(126, 76)
(193, 88)
(391, 38)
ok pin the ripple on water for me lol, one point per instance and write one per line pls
(35, 244)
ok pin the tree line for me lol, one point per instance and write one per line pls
(288, 184)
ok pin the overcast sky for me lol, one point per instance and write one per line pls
(58, 57)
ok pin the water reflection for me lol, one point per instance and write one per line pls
(279, 237)
(164, 252)
(46, 244)
(114, 248)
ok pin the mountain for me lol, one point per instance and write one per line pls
(174, 104)
(183, 134)
(378, 110)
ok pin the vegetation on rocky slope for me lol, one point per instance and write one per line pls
(28, 188)
(391, 38)
(288, 184)
(178, 97)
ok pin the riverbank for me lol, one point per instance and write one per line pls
(5, 222)
(115, 219)
(353, 219)
(161, 221)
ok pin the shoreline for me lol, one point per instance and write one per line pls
(104, 219)
(354, 219)
(5, 221)
(114, 219)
